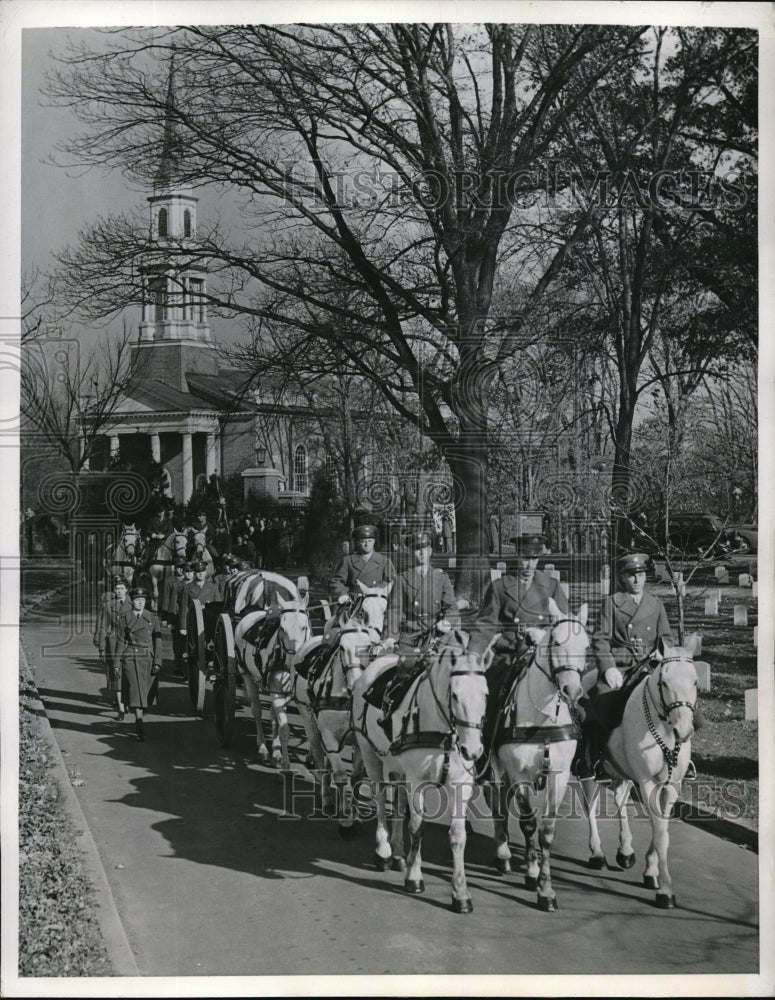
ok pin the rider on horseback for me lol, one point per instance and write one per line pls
(632, 623)
(421, 599)
(517, 607)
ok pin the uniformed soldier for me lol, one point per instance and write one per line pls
(199, 587)
(141, 656)
(422, 599)
(370, 567)
(632, 621)
(516, 606)
(172, 592)
(108, 637)
(168, 599)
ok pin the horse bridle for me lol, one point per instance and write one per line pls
(287, 611)
(554, 671)
(669, 753)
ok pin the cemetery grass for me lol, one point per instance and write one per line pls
(725, 750)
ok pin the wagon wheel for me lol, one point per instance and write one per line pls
(197, 655)
(225, 679)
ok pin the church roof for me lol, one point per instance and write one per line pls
(160, 396)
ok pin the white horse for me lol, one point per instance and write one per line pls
(652, 748)
(325, 706)
(198, 550)
(272, 671)
(122, 557)
(535, 741)
(445, 706)
(161, 559)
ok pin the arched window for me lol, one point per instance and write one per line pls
(300, 469)
(330, 467)
(163, 222)
(187, 223)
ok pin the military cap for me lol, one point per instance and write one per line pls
(419, 540)
(117, 579)
(187, 567)
(199, 565)
(530, 545)
(632, 562)
(365, 531)
(243, 564)
(138, 592)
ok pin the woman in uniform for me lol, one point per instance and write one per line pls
(141, 658)
(108, 638)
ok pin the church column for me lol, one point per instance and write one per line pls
(211, 455)
(188, 468)
(114, 446)
(156, 447)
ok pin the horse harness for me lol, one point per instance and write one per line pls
(669, 753)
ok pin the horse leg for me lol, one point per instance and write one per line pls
(659, 800)
(399, 812)
(625, 856)
(590, 797)
(555, 792)
(528, 825)
(349, 826)
(414, 881)
(279, 709)
(496, 795)
(252, 691)
(461, 898)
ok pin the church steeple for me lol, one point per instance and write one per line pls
(174, 288)
(169, 161)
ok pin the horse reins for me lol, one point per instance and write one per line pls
(669, 753)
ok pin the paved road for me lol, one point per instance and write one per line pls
(211, 878)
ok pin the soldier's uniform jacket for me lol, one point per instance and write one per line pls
(141, 654)
(110, 613)
(204, 593)
(372, 572)
(628, 631)
(509, 604)
(417, 603)
(170, 595)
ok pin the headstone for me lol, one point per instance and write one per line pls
(565, 587)
(752, 705)
(755, 636)
(548, 567)
(741, 614)
(720, 571)
(744, 580)
(495, 574)
(605, 586)
(711, 606)
(724, 578)
(501, 566)
(703, 675)
(555, 574)
(698, 644)
(754, 588)
(452, 562)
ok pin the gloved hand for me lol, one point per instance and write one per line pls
(534, 635)
(613, 678)
(343, 599)
(390, 643)
(155, 669)
(444, 625)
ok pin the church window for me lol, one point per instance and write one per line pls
(163, 222)
(331, 472)
(300, 469)
(159, 290)
(197, 301)
(187, 223)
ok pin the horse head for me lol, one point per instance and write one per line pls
(130, 541)
(673, 686)
(374, 604)
(568, 644)
(295, 627)
(198, 542)
(467, 699)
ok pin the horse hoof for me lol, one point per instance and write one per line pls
(462, 906)
(349, 832)
(650, 882)
(625, 860)
(503, 865)
(380, 863)
(398, 865)
(531, 883)
(665, 902)
(597, 863)
(547, 904)
(415, 887)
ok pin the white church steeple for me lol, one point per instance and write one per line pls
(174, 289)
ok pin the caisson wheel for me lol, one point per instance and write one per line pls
(197, 655)
(225, 691)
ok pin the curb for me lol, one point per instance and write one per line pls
(116, 943)
(707, 819)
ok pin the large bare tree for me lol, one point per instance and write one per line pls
(405, 161)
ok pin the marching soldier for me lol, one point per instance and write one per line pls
(171, 597)
(141, 655)
(108, 638)
(370, 567)
(517, 607)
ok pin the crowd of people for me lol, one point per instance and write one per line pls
(516, 608)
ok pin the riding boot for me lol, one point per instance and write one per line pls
(139, 730)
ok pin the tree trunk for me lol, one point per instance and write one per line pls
(468, 464)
